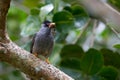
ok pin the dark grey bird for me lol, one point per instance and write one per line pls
(43, 41)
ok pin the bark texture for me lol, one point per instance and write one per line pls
(4, 6)
(29, 64)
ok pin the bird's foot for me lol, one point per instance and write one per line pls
(35, 54)
(41, 57)
(47, 60)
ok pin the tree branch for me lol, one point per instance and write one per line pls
(29, 64)
(93, 34)
(21, 59)
(102, 11)
(4, 6)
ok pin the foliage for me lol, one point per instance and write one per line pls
(115, 3)
(73, 52)
(94, 63)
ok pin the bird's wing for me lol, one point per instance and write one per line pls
(33, 40)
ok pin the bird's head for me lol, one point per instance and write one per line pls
(49, 26)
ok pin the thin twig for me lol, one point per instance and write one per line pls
(82, 31)
(115, 32)
(92, 37)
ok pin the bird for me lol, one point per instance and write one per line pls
(43, 41)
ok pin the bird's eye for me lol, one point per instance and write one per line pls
(47, 24)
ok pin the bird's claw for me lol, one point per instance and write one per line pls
(47, 61)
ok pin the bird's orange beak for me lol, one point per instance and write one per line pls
(52, 25)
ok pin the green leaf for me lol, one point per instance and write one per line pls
(31, 27)
(64, 21)
(71, 51)
(115, 3)
(31, 3)
(79, 14)
(14, 23)
(92, 62)
(70, 63)
(68, 8)
(14, 11)
(111, 58)
(44, 11)
(35, 11)
(70, 56)
(96, 77)
(70, 1)
(109, 73)
(117, 46)
(77, 10)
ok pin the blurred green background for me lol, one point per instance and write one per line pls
(85, 48)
